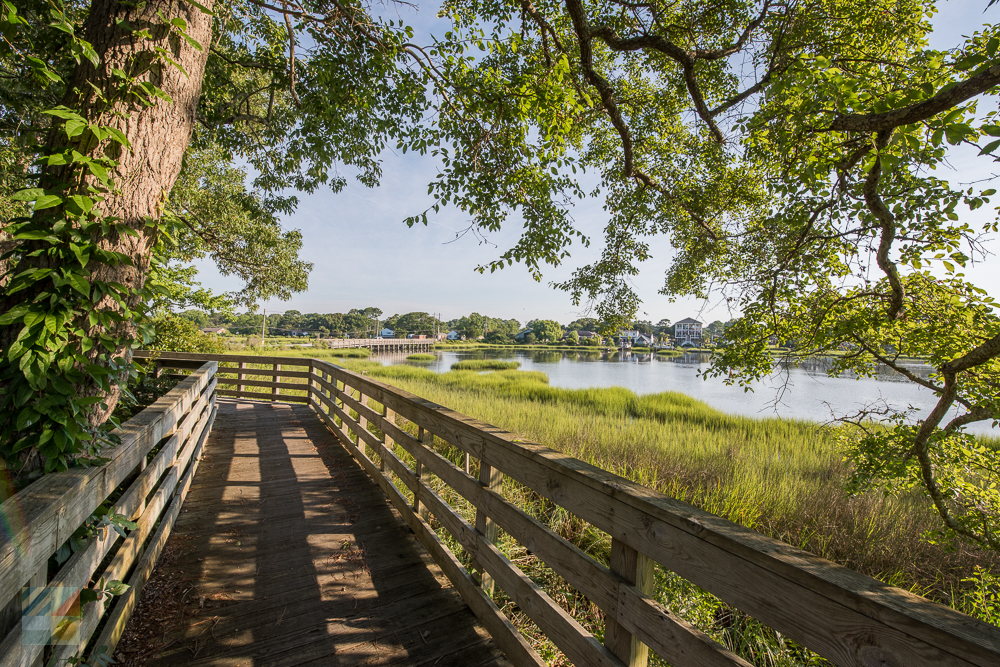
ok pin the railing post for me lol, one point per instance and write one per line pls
(389, 416)
(492, 479)
(639, 571)
(240, 376)
(363, 423)
(426, 439)
(277, 378)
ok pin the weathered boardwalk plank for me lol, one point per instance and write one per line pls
(290, 555)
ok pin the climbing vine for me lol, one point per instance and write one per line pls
(72, 323)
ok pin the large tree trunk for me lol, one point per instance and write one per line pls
(158, 134)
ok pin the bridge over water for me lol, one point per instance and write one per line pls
(314, 515)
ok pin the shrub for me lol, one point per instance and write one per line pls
(178, 334)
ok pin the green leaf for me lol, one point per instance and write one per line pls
(118, 136)
(29, 194)
(98, 170)
(64, 113)
(117, 587)
(74, 128)
(990, 147)
(192, 42)
(47, 201)
(80, 284)
(203, 8)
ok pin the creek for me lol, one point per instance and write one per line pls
(804, 391)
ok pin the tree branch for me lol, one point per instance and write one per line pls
(888, 224)
(914, 113)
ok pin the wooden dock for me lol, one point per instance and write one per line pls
(291, 555)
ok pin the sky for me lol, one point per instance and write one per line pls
(363, 254)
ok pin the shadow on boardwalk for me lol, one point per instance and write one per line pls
(286, 553)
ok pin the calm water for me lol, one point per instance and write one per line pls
(809, 393)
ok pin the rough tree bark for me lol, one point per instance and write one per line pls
(158, 134)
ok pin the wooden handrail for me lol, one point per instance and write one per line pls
(56, 505)
(847, 617)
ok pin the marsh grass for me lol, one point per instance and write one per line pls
(782, 477)
(421, 356)
(485, 365)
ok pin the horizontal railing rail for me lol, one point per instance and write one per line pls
(158, 451)
(379, 342)
(847, 617)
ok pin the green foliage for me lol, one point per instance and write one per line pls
(141, 392)
(545, 330)
(218, 218)
(178, 334)
(807, 195)
(67, 329)
(72, 326)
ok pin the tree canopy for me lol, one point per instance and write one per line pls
(793, 153)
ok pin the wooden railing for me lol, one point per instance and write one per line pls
(159, 450)
(849, 618)
(382, 343)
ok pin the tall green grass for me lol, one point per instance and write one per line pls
(421, 357)
(782, 477)
(485, 365)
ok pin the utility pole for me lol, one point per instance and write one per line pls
(263, 326)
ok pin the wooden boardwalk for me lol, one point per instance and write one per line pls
(290, 555)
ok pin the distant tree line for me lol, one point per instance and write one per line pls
(364, 322)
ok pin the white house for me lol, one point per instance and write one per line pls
(387, 333)
(687, 333)
(636, 338)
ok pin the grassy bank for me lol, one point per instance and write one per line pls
(781, 477)
(485, 365)
(421, 357)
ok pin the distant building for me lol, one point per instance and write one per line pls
(454, 335)
(584, 334)
(215, 330)
(635, 338)
(521, 334)
(387, 333)
(687, 333)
